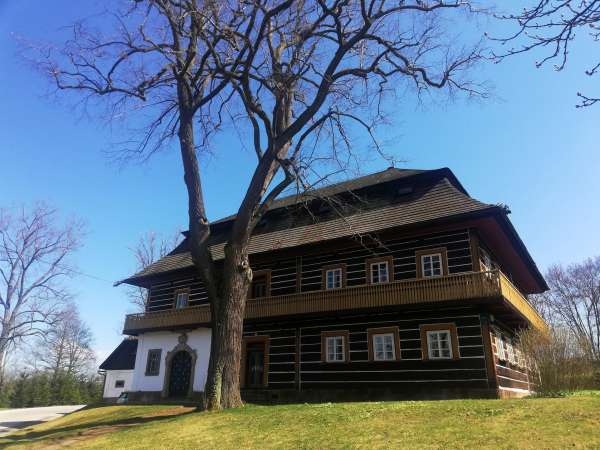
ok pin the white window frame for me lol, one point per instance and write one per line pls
(379, 265)
(334, 271)
(511, 351)
(392, 338)
(430, 349)
(486, 260)
(431, 256)
(179, 295)
(501, 347)
(334, 339)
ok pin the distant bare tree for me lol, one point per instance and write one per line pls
(289, 73)
(573, 301)
(34, 261)
(150, 248)
(67, 346)
(551, 26)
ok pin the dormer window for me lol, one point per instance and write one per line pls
(380, 270)
(182, 299)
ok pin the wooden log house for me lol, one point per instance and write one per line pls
(393, 285)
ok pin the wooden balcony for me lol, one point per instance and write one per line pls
(465, 286)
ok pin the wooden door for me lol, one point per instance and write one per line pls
(181, 369)
(255, 365)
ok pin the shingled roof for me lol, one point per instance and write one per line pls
(122, 357)
(373, 179)
(435, 198)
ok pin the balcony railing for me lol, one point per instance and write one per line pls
(464, 286)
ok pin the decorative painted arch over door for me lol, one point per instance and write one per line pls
(180, 368)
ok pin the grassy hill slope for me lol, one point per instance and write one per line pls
(530, 423)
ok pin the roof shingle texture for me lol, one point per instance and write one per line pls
(436, 201)
(122, 357)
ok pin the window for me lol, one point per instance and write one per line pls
(335, 349)
(439, 341)
(260, 286)
(153, 362)
(485, 260)
(334, 346)
(380, 270)
(120, 383)
(438, 344)
(333, 278)
(181, 299)
(384, 344)
(500, 347)
(510, 356)
(431, 265)
(383, 347)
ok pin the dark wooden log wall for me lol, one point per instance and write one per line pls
(284, 278)
(289, 369)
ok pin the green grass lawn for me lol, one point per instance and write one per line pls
(572, 422)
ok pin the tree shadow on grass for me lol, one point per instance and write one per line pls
(90, 429)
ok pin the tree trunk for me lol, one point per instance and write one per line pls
(199, 234)
(238, 276)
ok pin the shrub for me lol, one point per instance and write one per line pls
(558, 362)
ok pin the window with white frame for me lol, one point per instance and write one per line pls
(486, 261)
(510, 351)
(380, 272)
(119, 384)
(431, 265)
(439, 344)
(501, 347)
(333, 278)
(384, 348)
(181, 301)
(335, 349)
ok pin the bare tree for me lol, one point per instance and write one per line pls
(291, 73)
(34, 261)
(150, 248)
(573, 301)
(551, 26)
(67, 346)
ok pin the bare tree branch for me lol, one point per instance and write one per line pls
(551, 26)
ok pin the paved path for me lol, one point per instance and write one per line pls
(13, 419)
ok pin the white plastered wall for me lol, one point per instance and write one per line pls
(110, 391)
(198, 340)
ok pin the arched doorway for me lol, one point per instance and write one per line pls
(180, 374)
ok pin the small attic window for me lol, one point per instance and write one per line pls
(405, 190)
(324, 207)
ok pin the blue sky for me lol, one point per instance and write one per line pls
(527, 147)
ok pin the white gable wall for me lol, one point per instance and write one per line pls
(110, 390)
(198, 340)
